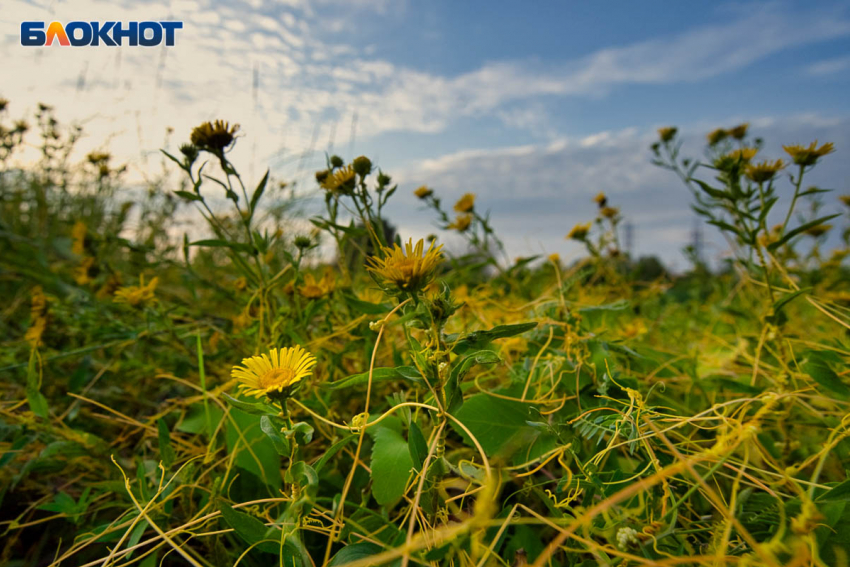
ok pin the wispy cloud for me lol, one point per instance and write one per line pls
(829, 66)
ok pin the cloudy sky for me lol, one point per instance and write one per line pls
(533, 106)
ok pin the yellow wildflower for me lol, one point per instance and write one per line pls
(600, 199)
(739, 132)
(274, 374)
(579, 232)
(461, 223)
(409, 269)
(78, 238)
(845, 199)
(716, 136)
(82, 273)
(555, 258)
(465, 203)
(667, 133)
(340, 180)
(314, 289)
(214, 137)
(818, 230)
(806, 156)
(764, 171)
(609, 212)
(423, 192)
(137, 295)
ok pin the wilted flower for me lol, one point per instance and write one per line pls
(98, 158)
(764, 171)
(461, 223)
(807, 156)
(716, 136)
(409, 269)
(214, 137)
(579, 231)
(137, 295)
(465, 203)
(336, 161)
(667, 133)
(423, 192)
(739, 132)
(274, 374)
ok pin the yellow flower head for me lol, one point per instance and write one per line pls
(409, 269)
(423, 192)
(579, 232)
(668, 133)
(340, 180)
(314, 289)
(555, 258)
(38, 318)
(609, 212)
(845, 199)
(716, 136)
(274, 374)
(214, 137)
(137, 295)
(764, 171)
(98, 158)
(739, 132)
(743, 154)
(465, 203)
(78, 237)
(83, 272)
(600, 199)
(461, 223)
(818, 230)
(808, 155)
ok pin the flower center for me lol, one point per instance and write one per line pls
(277, 377)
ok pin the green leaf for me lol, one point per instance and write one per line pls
(391, 465)
(255, 452)
(281, 444)
(799, 230)
(254, 408)
(216, 243)
(708, 189)
(454, 394)
(354, 552)
(820, 371)
(838, 493)
(783, 301)
(307, 480)
(478, 339)
(303, 432)
(365, 306)
(189, 196)
(378, 375)
(332, 450)
(166, 452)
(417, 446)
(37, 401)
(175, 160)
(251, 529)
(258, 192)
(493, 421)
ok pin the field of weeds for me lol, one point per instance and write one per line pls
(240, 398)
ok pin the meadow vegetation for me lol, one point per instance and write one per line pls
(234, 396)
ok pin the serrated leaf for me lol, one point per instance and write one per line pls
(493, 421)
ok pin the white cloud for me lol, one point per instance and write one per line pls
(829, 66)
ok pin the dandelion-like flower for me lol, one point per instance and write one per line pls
(764, 171)
(314, 289)
(601, 199)
(579, 232)
(410, 268)
(340, 180)
(214, 137)
(461, 223)
(808, 155)
(274, 374)
(668, 133)
(423, 192)
(465, 203)
(137, 295)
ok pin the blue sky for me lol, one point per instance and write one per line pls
(534, 106)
